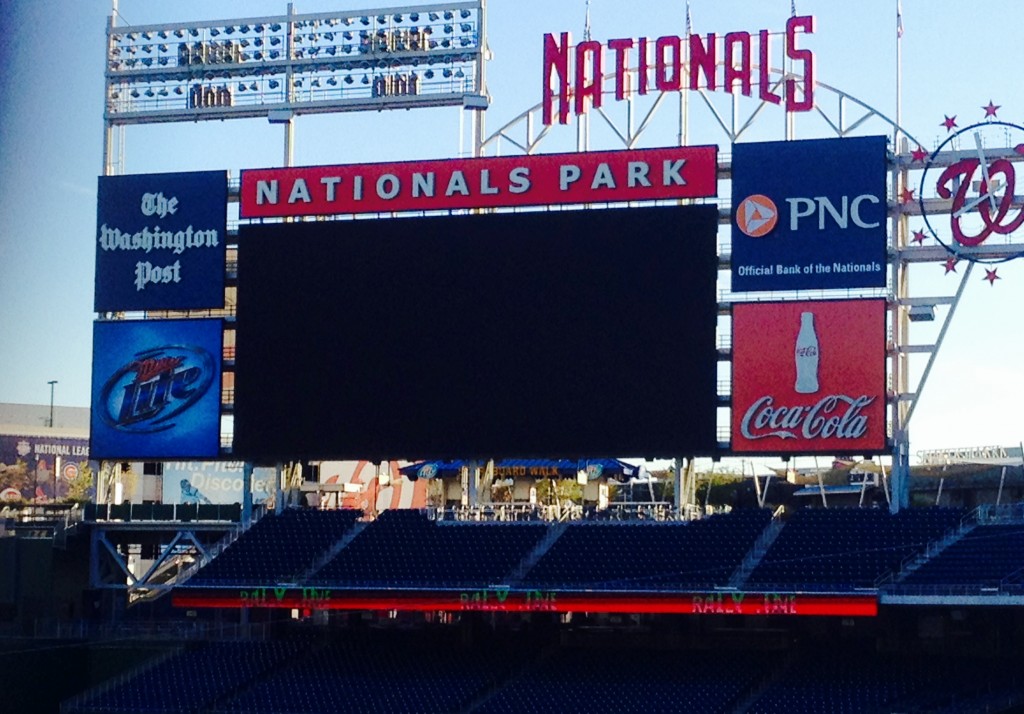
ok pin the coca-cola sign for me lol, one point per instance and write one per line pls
(835, 415)
(809, 377)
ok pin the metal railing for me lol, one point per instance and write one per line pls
(1002, 513)
(163, 512)
(950, 590)
(616, 511)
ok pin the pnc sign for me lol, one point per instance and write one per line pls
(799, 223)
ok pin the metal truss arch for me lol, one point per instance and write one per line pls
(839, 113)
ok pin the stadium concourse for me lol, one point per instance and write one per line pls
(811, 610)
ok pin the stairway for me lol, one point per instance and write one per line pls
(555, 532)
(329, 554)
(756, 553)
(933, 550)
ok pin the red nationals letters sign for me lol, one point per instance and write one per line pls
(543, 179)
(809, 377)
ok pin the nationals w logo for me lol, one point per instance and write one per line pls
(980, 186)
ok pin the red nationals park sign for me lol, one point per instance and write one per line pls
(808, 377)
(593, 177)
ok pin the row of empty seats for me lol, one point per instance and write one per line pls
(277, 548)
(439, 670)
(843, 549)
(193, 680)
(649, 556)
(405, 548)
(988, 556)
(816, 549)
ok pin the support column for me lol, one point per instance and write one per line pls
(246, 494)
(900, 476)
(677, 486)
(472, 478)
(899, 389)
(278, 490)
(478, 116)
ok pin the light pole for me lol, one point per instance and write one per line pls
(51, 383)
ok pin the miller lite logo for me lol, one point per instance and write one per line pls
(155, 386)
(428, 470)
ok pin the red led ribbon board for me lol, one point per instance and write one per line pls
(808, 377)
(502, 600)
(546, 179)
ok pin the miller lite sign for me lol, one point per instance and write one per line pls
(809, 215)
(156, 389)
(809, 377)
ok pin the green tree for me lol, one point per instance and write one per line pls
(551, 492)
(15, 476)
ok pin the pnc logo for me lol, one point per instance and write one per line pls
(757, 215)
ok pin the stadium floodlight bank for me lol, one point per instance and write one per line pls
(386, 58)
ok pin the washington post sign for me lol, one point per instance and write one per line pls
(809, 215)
(160, 241)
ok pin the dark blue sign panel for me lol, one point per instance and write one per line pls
(156, 389)
(809, 214)
(160, 241)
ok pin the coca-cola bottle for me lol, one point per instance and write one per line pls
(806, 356)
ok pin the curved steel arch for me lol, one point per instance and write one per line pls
(837, 119)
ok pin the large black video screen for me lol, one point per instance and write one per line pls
(560, 334)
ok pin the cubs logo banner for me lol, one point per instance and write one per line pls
(156, 389)
(809, 215)
(808, 377)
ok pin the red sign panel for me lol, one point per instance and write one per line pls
(808, 377)
(596, 177)
(504, 600)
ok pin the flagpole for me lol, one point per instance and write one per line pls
(583, 120)
(684, 92)
(787, 70)
(900, 469)
(899, 74)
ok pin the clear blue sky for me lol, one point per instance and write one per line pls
(956, 57)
